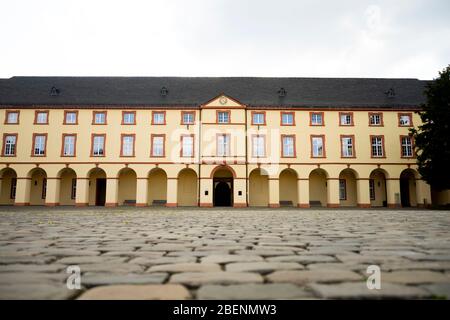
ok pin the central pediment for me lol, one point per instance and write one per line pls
(223, 101)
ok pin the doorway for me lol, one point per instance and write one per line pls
(100, 192)
(223, 192)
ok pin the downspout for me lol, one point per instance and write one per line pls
(199, 153)
(246, 160)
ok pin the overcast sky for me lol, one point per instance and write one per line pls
(355, 38)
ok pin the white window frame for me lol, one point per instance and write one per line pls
(127, 145)
(158, 146)
(258, 146)
(69, 148)
(159, 117)
(129, 118)
(71, 117)
(258, 118)
(315, 116)
(346, 119)
(39, 145)
(98, 146)
(223, 116)
(100, 118)
(187, 146)
(372, 118)
(318, 149)
(342, 189)
(8, 117)
(377, 147)
(223, 145)
(10, 146)
(41, 116)
(188, 118)
(407, 147)
(348, 145)
(288, 150)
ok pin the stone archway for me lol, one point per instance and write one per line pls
(38, 187)
(288, 188)
(408, 194)
(258, 188)
(8, 186)
(67, 187)
(127, 187)
(347, 188)
(187, 193)
(377, 188)
(97, 187)
(318, 188)
(157, 187)
(223, 187)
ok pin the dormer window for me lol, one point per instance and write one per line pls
(54, 91)
(164, 91)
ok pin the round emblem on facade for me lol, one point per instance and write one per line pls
(223, 100)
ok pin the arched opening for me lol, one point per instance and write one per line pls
(187, 194)
(347, 188)
(8, 186)
(157, 187)
(223, 187)
(318, 188)
(377, 188)
(67, 187)
(288, 188)
(258, 188)
(408, 188)
(127, 187)
(97, 187)
(38, 187)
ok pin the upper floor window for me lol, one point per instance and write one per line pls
(70, 117)
(223, 145)
(158, 117)
(316, 118)
(346, 118)
(375, 119)
(287, 119)
(12, 117)
(187, 146)
(405, 119)
(407, 146)
(99, 117)
(39, 144)
(127, 147)
(259, 146)
(187, 117)
(223, 116)
(98, 145)
(258, 118)
(9, 144)
(157, 146)
(377, 145)
(288, 146)
(69, 145)
(41, 117)
(317, 146)
(128, 117)
(347, 145)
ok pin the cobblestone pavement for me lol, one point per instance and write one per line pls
(223, 253)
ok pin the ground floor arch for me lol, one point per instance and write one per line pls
(408, 195)
(67, 187)
(157, 187)
(187, 188)
(347, 188)
(127, 187)
(8, 184)
(97, 187)
(377, 188)
(288, 188)
(258, 188)
(38, 186)
(318, 188)
(223, 184)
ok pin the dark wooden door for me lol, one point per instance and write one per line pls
(100, 192)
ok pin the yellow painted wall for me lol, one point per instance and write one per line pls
(36, 186)
(187, 188)
(380, 188)
(5, 191)
(258, 189)
(288, 186)
(127, 186)
(317, 187)
(66, 187)
(350, 179)
(157, 186)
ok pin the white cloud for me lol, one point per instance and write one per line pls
(225, 38)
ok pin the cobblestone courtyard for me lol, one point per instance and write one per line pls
(223, 253)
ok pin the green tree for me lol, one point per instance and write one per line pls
(432, 138)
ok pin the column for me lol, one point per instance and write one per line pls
(23, 192)
(393, 192)
(239, 193)
(172, 188)
(112, 192)
(52, 194)
(206, 192)
(274, 192)
(333, 192)
(141, 192)
(423, 192)
(82, 192)
(303, 193)
(363, 193)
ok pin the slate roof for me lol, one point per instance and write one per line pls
(194, 91)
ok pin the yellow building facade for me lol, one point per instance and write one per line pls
(214, 149)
